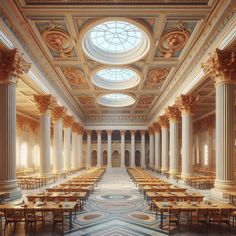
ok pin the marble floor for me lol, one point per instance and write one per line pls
(116, 208)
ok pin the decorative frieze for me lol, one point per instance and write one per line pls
(186, 103)
(221, 67)
(44, 103)
(12, 65)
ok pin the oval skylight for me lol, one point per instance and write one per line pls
(116, 78)
(116, 100)
(116, 42)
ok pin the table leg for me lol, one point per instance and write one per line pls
(70, 219)
(161, 219)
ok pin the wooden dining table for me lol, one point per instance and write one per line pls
(69, 189)
(69, 207)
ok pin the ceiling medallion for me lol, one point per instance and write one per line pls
(156, 75)
(173, 41)
(58, 41)
(74, 76)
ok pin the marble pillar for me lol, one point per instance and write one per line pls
(132, 161)
(222, 68)
(143, 159)
(12, 65)
(157, 132)
(89, 149)
(122, 148)
(74, 144)
(80, 147)
(151, 147)
(109, 148)
(99, 148)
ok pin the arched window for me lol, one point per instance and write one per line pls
(23, 155)
(36, 156)
(205, 155)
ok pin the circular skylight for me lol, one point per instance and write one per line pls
(116, 42)
(116, 78)
(116, 100)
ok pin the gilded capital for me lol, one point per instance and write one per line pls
(133, 132)
(150, 130)
(221, 66)
(99, 132)
(109, 132)
(58, 112)
(122, 132)
(80, 129)
(186, 103)
(44, 102)
(173, 113)
(143, 132)
(68, 121)
(75, 127)
(88, 132)
(156, 127)
(163, 121)
(12, 65)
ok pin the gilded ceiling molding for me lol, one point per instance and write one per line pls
(58, 40)
(156, 76)
(221, 66)
(12, 65)
(186, 103)
(68, 121)
(173, 41)
(163, 121)
(44, 103)
(173, 113)
(58, 112)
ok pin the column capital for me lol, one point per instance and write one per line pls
(173, 113)
(88, 132)
(58, 112)
(186, 103)
(221, 67)
(75, 127)
(80, 129)
(156, 127)
(99, 132)
(132, 132)
(143, 132)
(44, 102)
(68, 121)
(12, 65)
(163, 121)
(122, 132)
(109, 132)
(150, 130)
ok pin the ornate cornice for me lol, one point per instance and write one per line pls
(12, 65)
(58, 113)
(221, 67)
(68, 121)
(186, 103)
(44, 103)
(173, 113)
(163, 121)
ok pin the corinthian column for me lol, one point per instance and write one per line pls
(143, 132)
(222, 68)
(151, 147)
(67, 123)
(57, 116)
(89, 148)
(12, 65)
(122, 148)
(80, 146)
(133, 148)
(157, 131)
(163, 121)
(186, 104)
(75, 140)
(99, 148)
(173, 115)
(44, 104)
(109, 132)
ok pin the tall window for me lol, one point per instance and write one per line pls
(36, 156)
(205, 155)
(23, 155)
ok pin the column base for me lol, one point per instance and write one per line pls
(225, 185)
(173, 173)
(163, 169)
(109, 166)
(11, 189)
(143, 166)
(184, 175)
(44, 174)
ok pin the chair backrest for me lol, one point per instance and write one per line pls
(225, 213)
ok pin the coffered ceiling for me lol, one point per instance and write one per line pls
(54, 29)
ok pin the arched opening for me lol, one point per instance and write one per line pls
(104, 158)
(36, 156)
(94, 158)
(116, 160)
(137, 158)
(23, 155)
(84, 158)
(127, 158)
(147, 159)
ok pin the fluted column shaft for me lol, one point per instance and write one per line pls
(89, 150)
(174, 147)
(132, 149)
(158, 150)
(80, 150)
(67, 148)
(57, 147)
(109, 149)
(143, 149)
(151, 150)
(164, 150)
(74, 156)
(99, 149)
(122, 148)
(225, 129)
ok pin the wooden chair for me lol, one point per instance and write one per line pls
(173, 217)
(13, 216)
(200, 216)
(58, 217)
(32, 217)
(233, 215)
